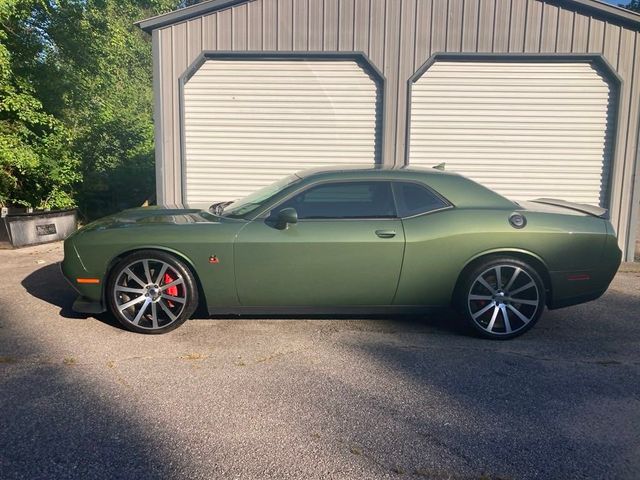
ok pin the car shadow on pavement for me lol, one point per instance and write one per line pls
(558, 402)
(48, 284)
(445, 322)
(58, 421)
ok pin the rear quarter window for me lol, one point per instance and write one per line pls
(415, 199)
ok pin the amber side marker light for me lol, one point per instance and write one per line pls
(88, 280)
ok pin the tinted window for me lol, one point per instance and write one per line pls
(344, 200)
(414, 199)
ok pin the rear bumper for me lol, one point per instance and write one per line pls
(572, 288)
(580, 286)
(576, 300)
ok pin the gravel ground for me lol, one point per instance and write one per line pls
(349, 398)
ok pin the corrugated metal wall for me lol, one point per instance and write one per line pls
(398, 36)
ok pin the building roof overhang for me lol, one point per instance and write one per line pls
(592, 7)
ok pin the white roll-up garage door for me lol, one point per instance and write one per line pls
(250, 122)
(526, 130)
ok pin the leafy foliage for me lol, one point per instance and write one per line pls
(105, 62)
(633, 5)
(75, 104)
(38, 168)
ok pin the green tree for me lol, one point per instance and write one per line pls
(37, 165)
(76, 103)
(633, 5)
(103, 93)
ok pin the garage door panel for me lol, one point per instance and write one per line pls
(525, 130)
(248, 123)
(303, 159)
(506, 95)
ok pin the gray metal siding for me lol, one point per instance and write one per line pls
(398, 36)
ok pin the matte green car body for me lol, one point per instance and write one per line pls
(337, 265)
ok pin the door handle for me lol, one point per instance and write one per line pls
(386, 233)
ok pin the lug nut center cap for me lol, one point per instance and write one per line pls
(153, 292)
(499, 298)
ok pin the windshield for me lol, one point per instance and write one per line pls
(244, 206)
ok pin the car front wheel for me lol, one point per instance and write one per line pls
(501, 298)
(151, 292)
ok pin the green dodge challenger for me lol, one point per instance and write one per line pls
(347, 240)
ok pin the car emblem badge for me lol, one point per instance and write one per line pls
(213, 259)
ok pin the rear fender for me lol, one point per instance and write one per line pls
(536, 262)
(506, 251)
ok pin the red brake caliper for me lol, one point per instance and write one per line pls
(173, 291)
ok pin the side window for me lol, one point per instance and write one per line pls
(414, 199)
(344, 200)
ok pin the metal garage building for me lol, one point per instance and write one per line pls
(531, 98)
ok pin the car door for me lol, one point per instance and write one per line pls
(345, 250)
(429, 222)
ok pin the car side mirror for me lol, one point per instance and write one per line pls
(286, 216)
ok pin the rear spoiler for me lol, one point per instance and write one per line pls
(580, 207)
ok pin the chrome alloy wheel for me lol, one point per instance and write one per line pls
(150, 293)
(503, 300)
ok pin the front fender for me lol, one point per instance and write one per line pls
(192, 244)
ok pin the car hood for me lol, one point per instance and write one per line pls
(153, 215)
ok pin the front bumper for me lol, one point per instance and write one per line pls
(86, 305)
(90, 299)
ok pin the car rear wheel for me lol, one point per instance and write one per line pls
(152, 292)
(501, 298)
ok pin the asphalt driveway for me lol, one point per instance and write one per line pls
(348, 398)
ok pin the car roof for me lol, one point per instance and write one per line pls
(364, 168)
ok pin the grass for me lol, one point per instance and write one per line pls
(356, 450)
(69, 361)
(193, 356)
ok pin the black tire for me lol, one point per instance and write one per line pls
(156, 282)
(483, 303)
